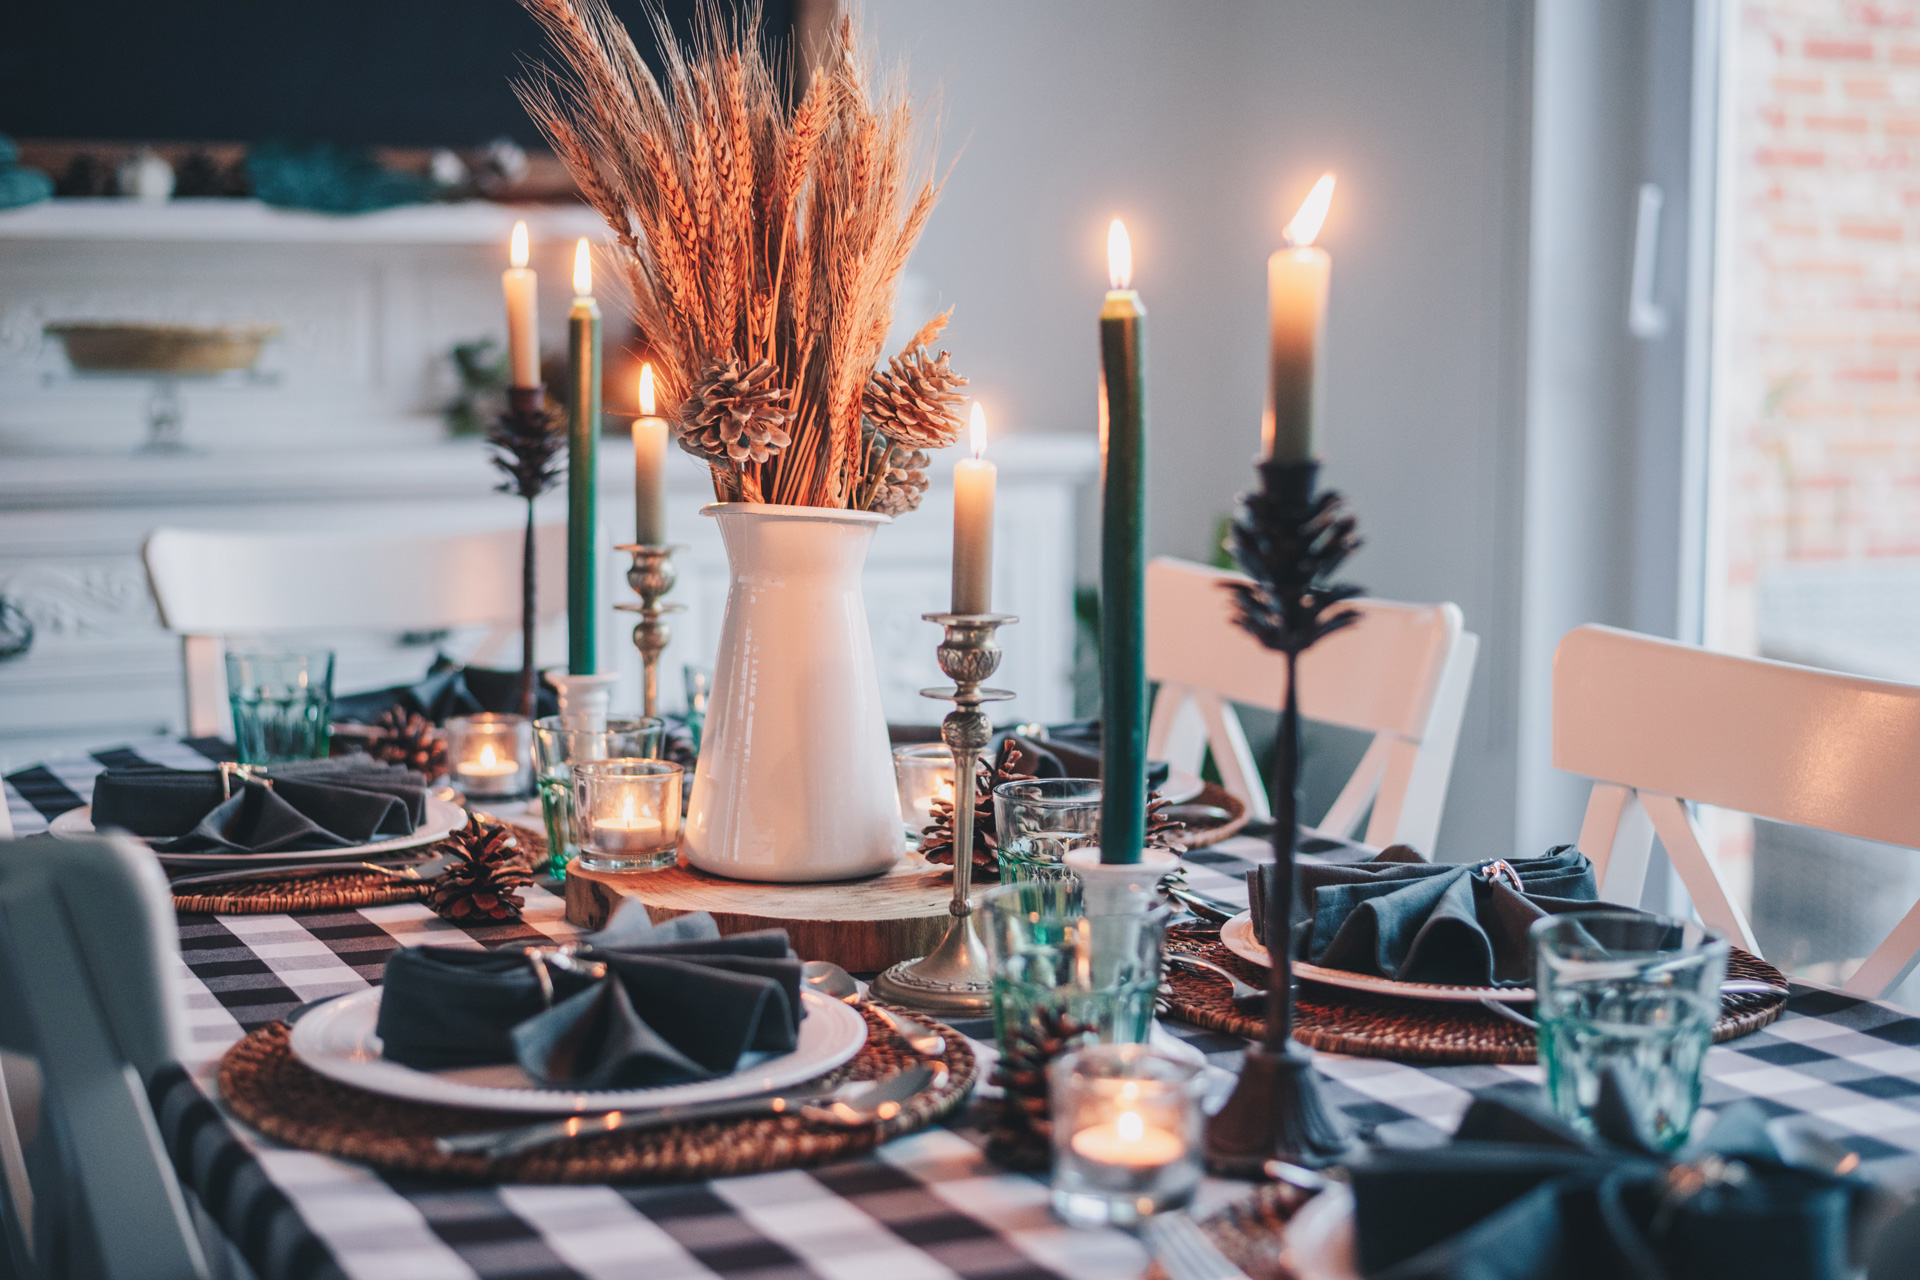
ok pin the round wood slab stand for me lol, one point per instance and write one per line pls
(863, 926)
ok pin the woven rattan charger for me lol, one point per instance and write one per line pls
(321, 891)
(1337, 1020)
(267, 1087)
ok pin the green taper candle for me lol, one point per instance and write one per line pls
(583, 436)
(1123, 560)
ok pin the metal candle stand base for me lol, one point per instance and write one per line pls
(651, 577)
(952, 981)
(1289, 540)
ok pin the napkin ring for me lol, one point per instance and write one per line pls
(1685, 1181)
(229, 771)
(565, 957)
(1501, 869)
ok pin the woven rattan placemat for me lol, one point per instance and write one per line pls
(1218, 796)
(1373, 1026)
(266, 1086)
(321, 891)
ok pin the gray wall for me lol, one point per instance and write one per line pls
(1203, 124)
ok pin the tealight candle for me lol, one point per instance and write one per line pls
(626, 813)
(1126, 1134)
(491, 755)
(924, 773)
(628, 831)
(1129, 1143)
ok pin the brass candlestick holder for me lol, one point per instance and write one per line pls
(952, 979)
(651, 576)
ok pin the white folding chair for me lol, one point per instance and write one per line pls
(1401, 673)
(89, 1011)
(1656, 724)
(212, 584)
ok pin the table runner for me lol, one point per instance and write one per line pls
(926, 1206)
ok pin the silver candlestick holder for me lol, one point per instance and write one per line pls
(952, 980)
(651, 576)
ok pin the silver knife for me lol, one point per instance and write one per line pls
(287, 871)
(881, 1102)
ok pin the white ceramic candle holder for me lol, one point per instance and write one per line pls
(583, 699)
(1115, 887)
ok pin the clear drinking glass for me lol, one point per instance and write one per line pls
(1039, 820)
(490, 755)
(1626, 1004)
(556, 747)
(923, 771)
(699, 681)
(1058, 973)
(282, 704)
(626, 814)
(1126, 1133)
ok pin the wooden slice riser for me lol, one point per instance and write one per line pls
(863, 926)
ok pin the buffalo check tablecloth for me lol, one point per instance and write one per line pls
(929, 1205)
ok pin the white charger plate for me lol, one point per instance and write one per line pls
(1237, 936)
(443, 818)
(337, 1040)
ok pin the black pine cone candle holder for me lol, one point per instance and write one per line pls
(1290, 539)
(528, 443)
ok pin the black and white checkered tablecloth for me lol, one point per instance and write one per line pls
(925, 1206)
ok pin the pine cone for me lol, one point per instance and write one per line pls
(485, 877)
(915, 401)
(902, 483)
(526, 449)
(735, 414)
(411, 740)
(1022, 1133)
(936, 842)
(1163, 832)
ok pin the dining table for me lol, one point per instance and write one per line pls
(927, 1205)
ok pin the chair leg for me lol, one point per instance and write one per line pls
(1891, 961)
(1697, 870)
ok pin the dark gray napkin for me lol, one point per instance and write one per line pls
(312, 804)
(1520, 1195)
(1399, 916)
(679, 1003)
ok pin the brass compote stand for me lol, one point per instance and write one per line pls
(651, 576)
(953, 980)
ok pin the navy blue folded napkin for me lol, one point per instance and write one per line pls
(1520, 1195)
(676, 1002)
(310, 804)
(1399, 916)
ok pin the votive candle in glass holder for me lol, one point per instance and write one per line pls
(1126, 1134)
(626, 814)
(556, 747)
(489, 755)
(924, 772)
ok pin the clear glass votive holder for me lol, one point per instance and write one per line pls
(924, 773)
(556, 747)
(490, 755)
(1059, 973)
(1126, 1134)
(626, 814)
(1038, 820)
(282, 704)
(1626, 1004)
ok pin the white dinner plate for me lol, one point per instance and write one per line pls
(1236, 935)
(1181, 786)
(337, 1040)
(443, 817)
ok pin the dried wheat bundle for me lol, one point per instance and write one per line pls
(762, 232)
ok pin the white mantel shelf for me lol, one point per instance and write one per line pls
(231, 221)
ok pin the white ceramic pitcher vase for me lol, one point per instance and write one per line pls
(795, 781)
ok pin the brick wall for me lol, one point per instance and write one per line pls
(1817, 391)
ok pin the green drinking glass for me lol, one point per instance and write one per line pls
(282, 704)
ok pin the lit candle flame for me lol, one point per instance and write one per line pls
(518, 253)
(977, 429)
(486, 753)
(626, 811)
(1119, 256)
(1306, 223)
(646, 390)
(582, 269)
(1130, 1126)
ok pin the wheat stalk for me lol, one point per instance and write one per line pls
(753, 219)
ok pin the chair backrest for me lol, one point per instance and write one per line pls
(1401, 673)
(215, 583)
(1656, 724)
(89, 1011)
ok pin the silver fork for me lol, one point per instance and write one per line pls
(1239, 990)
(1185, 1252)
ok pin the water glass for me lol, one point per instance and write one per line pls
(1038, 821)
(923, 771)
(282, 704)
(490, 755)
(626, 814)
(1126, 1133)
(556, 747)
(699, 682)
(1059, 973)
(1626, 1003)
